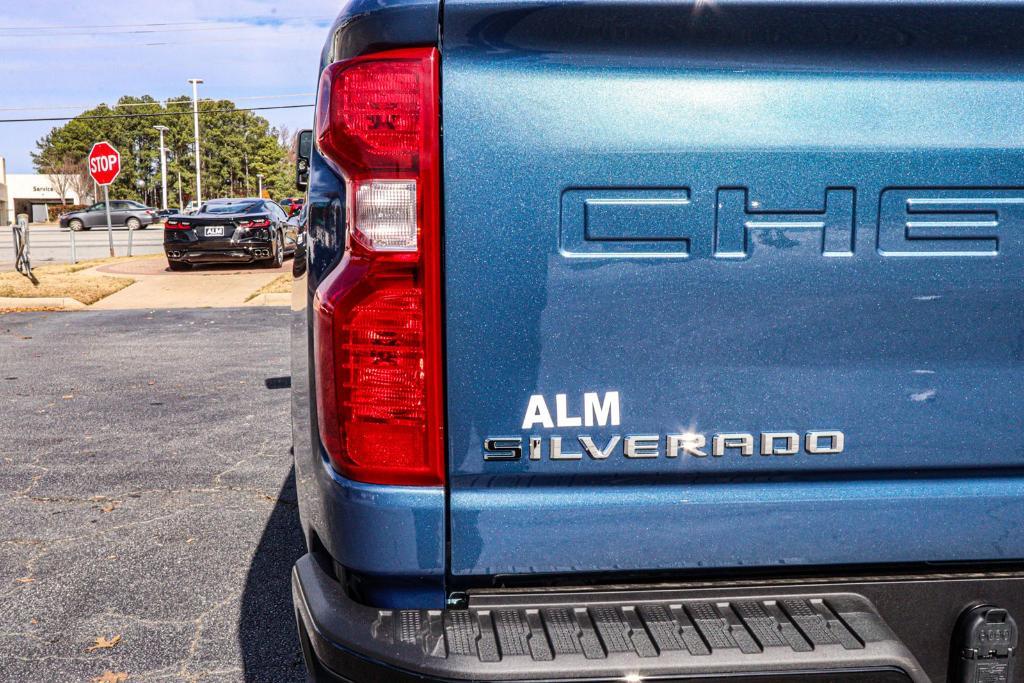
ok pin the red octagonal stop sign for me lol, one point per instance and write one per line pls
(104, 163)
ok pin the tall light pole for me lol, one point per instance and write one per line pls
(245, 156)
(260, 177)
(163, 161)
(195, 124)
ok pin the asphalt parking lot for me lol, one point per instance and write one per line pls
(147, 497)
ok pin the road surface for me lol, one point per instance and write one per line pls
(50, 244)
(146, 492)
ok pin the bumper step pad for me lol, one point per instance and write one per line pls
(756, 635)
(612, 635)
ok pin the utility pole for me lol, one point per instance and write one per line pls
(163, 162)
(245, 156)
(195, 124)
(260, 177)
(181, 199)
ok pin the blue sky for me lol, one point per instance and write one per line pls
(59, 57)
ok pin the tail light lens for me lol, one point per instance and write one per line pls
(377, 333)
(176, 225)
(254, 224)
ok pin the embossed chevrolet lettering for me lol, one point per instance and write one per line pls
(644, 446)
(683, 222)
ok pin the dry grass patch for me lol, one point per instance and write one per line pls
(65, 280)
(282, 284)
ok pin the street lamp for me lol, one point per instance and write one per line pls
(259, 176)
(195, 124)
(163, 161)
(245, 156)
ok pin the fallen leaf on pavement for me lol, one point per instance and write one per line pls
(109, 504)
(111, 677)
(68, 397)
(103, 643)
(24, 579)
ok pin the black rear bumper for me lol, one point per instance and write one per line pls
(195, 253)
(656, 634)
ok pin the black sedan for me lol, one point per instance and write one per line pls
(134, 215)
(228, 231)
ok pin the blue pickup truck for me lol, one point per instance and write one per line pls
(670, 341)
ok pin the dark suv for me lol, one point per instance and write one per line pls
(122, 212)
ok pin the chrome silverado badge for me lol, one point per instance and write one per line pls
(604, 411)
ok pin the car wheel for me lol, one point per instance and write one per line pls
(178, 265)
(133, 223)
(76, 225)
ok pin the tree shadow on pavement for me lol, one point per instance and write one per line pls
(266, 630)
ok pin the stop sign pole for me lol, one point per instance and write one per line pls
(104, 167)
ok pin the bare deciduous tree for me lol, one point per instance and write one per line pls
(81, 182)
(61, 173)
(288, 142)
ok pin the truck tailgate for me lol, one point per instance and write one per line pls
(789, 236)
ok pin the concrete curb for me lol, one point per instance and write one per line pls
(273, 299)
(63, 303)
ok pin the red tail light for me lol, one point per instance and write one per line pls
(377, 335)
(254, 224)
(175, 225)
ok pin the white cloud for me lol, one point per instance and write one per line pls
(55, 53)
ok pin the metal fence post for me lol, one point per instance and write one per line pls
(74, 254)
(22, 262)
(131, 232)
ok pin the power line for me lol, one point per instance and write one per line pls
(59, 27)
(56, 46)
(165, 102)
(132, 32)
(254, 21)
(141, 116)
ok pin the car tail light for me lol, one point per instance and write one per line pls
(176, 225)
(377, 334)
(254, 224)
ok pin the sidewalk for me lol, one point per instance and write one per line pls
(203, 287)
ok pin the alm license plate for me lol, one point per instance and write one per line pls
(213, 231)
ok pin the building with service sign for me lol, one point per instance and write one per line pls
(30, 194)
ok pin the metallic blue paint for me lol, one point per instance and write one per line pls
(392, 536)
(407, 523)
(639, 525)
(786, 117)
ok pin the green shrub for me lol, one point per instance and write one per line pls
(55, 210)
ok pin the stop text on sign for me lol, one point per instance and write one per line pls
(103, 164)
